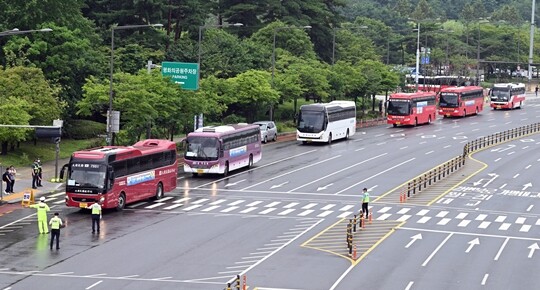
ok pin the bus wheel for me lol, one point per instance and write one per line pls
(304, 142)
(394, 125)
(159, 191)
(195, 174)
(347, 135)
(330, 139)
(250, 163)
(226, 171)
(416, 121)
(121, 202)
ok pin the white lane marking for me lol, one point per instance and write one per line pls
(236, 202)
(249, 209)
(272, 204)
(463, 223)
(306, 212)
(236, 267)
(500, 218)
(504, 226)
(442, 214)
(95, 284)
(409, 286)
(287, 211)
(403, 218)
(210, 208)
(501, 249)
(164, 199)
(423, 220)
(338, 171)
(443, 221)
(496, 160)
(403, 147)
(289, 172)
(292, 204)
(309, 206)
(404, 210)
(254, 203)
(422, 212)
(530, 207)
(484, 225)
(373, 176)
(218, 202)
(525, 228)
(59, 202)
(229, 209)
(359, 149)
(137, 204)
(447, 146)
(56, 194)
(325, 213)
(462, 215)
(347, 207)
(154, 205)
(515, 176)
(327, 207)
(528, 166)
(481, 217)
(173, 206)
(485, 279)
(383, 217)
(384, 209)
(181, 200)
(520, 220)
(437, 249)
(429, 152)
(345, 214)
(268, 210)
(192, 207)
(200, 201)
(537, 222)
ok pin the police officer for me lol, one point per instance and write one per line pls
(96, 216)
(35, 174)
(56, 224)
(365, 202)
(42, 209)
(40, 171)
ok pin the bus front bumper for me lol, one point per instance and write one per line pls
(213, 169)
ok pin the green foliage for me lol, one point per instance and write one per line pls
(83, 129)
(234, 119)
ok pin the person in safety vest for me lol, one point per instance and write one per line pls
(56, 224)
(42, 209)
(96, 216)
(365, 202)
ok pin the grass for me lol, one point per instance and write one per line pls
(46, 151)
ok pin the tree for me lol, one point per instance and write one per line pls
(423, 11)
(14, 112)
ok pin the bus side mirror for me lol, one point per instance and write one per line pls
(62, 171)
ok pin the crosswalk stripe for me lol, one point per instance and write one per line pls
(173, 206)
(210, 208)
(309, 206)
(229, 209)
(537, 222)
(463, 223)
(500, 218)
(287, 211)
(237, 202)
(254, 203)
(137, 204)
(154, 205)
(181, 200)
(383, 217)
(520, 220)
(443, 221)
(525, 228)
(442, 214)
(461, 215)
(484, 225)
(249, 209)
(404, 210)
(329, 206)
(56, 194)
(306, 212)
(164, 199)
(217, 202)
(423, 212)
(481, 217)
(423, 220)
(268, 210)
(384, 209)
(504, 226)
(325, 213)
(49, 199)
(347, 207)
(292, 204)
(59, 202)
(403, 218)
(200, 201)
(272, 204)
(345, 214)
(192, 207)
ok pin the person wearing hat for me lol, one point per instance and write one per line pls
(35, 174)
(40, 172)
(56, 224)
(42, 209)
(96, 215)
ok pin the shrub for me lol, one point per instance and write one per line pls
(83, 129)
(233, 119)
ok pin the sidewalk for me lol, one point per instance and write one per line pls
(23, 182)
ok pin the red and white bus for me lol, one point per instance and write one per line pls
(507, 96)
(411, 108)
(220, 149)
(118, 175)
(435, 83)
(461, 101)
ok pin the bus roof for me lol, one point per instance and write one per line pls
(222, 130)
(506, 85)
(322, 106)
(113, 153)
(461, 89)
(412, 95)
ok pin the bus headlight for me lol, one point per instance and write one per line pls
(102, 199)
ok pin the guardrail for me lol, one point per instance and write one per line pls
(500, 137)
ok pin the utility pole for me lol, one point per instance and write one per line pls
(531, 41)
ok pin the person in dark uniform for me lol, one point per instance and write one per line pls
(40, 171)
(35, 175)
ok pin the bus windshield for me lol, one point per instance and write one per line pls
(500, 94)
(202, 148)
(87, 175)
(449, 100)
(398, 107)
(311, 121)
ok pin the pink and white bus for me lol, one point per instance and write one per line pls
(411, 108)
(507, 96)
(118, 175)
(461, 101)
(220, 149)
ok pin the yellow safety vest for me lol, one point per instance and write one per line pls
(96, 209)
(55, 223)
(366, 197)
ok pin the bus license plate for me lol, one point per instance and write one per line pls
(498, 107)
(398, 123)
(83, 205)
(199, 171)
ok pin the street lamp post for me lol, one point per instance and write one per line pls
(531, 42)
(334, 38)
(274, 64)
(109, 113)
(417, 55)
(16, 31)
(200, 38)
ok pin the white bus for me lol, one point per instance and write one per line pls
(507, 96)
(325, 122)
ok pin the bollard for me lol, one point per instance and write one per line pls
(228, 286)
(354, 252)
(370, 215)
(244, 287)
(237, 281)
(354, 224)
(363, 225)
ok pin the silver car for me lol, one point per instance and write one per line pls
(268, 130)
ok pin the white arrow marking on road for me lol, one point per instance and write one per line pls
(414, 238)
(493, 177)
(533, 248)
(472, 244)
(525, 186)
(278, 185)
(510, 146)
(234, 183)
(476, 183)
(324, 187)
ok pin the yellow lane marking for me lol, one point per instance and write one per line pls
(376, 244)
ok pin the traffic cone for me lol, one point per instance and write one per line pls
(354, 252)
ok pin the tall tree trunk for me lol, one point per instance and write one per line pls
(4, 148)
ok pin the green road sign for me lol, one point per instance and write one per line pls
(183, 73)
